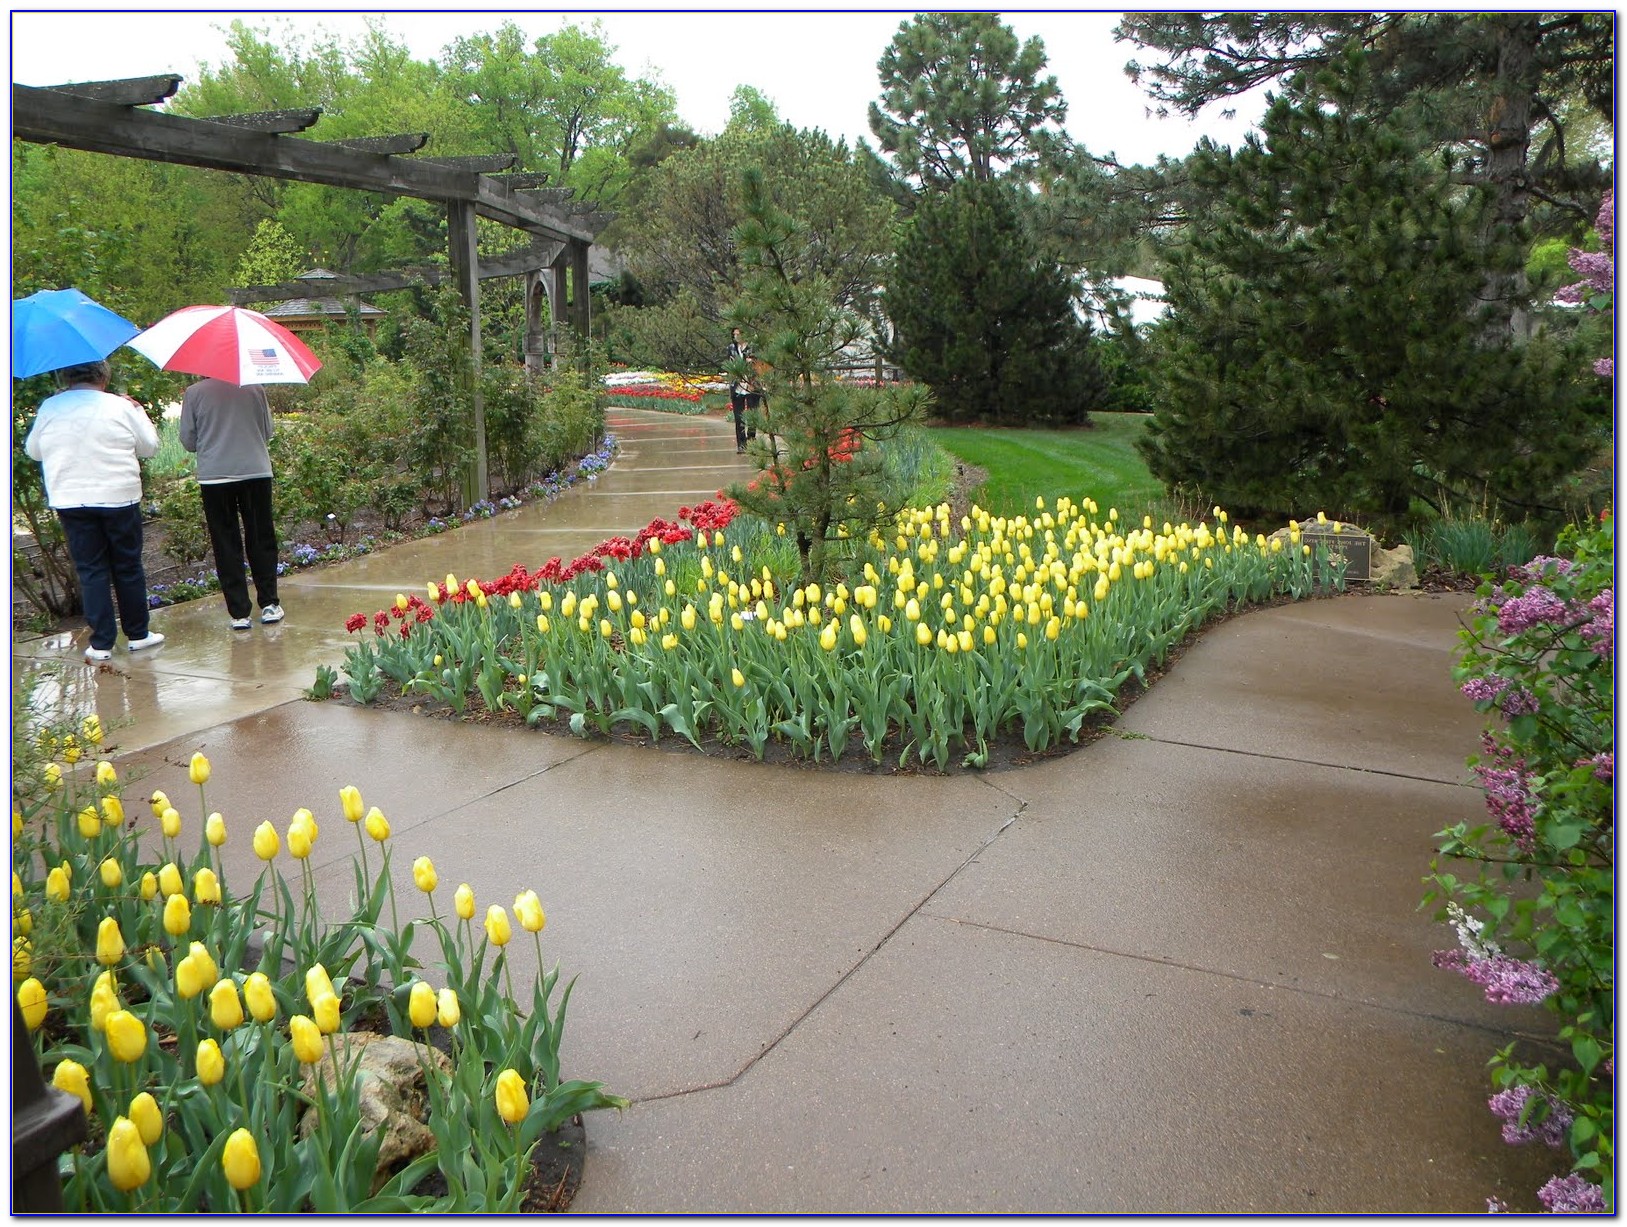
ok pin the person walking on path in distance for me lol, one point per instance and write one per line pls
(742, 396)
(90, 444)
(229, 428)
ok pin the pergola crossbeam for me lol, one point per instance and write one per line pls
(130, 91)
(527, 259)
(400, 142)
(270, 121)
(477, 164)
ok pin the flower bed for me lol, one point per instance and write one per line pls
(211, 1032)
(934, 647)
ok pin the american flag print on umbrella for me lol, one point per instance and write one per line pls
(230, 343)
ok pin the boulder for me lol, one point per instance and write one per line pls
(390, 1081)
(1394, 568)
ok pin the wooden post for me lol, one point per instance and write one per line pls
(536, 338)
(558, 301)
(579, 289)
(460, 228)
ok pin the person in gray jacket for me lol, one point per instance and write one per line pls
(229, 427)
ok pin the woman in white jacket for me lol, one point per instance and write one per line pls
(90, 444)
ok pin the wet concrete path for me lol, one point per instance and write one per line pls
(206, 673)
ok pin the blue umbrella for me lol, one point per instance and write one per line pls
(57, 328)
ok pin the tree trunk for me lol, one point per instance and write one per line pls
(1508, 145)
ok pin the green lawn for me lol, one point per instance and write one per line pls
(1100, 462)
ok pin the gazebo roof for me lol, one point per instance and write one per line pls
(316, 307)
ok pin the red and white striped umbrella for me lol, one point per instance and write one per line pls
(230, 343)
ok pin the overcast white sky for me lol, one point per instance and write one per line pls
(819, 68)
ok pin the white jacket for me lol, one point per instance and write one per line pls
(90, 443)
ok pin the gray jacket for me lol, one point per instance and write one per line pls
(228, 427)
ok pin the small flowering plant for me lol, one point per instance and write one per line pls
(1540, 655)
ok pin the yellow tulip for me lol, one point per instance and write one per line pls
(528, 911)
(105, 774)
(70, 750)
(225, 1009)
(112, 873)
(109, 942)
(214, 830)
(170, 823)
(146, 1117)
(512, 1101)
(262, 1001)
(169, 880)
(737, 677)
(200, 953)
(31, 1000)
(149, 887)
(463, 899)
(177, 915)
(56, 886)
(104, 1000)
(306, 1039)
(401, 602)
(205, 887)
(325, 1009)
(542, 624)
(304, 818)
(434, 592)
(447, 1011)
(23, 921)
(317, 982)
(52, 774)
(299, 841)
(198, 769)
(424, 875)
(159, 802)
(91, 729)
(497, 930)
(90, 822)
(70, 1076)
(211, 1063)
(190, 977)
(128, 1166)
(378, 826)
(421, 1004)
(350, 798)
(241, 1160)
(126, 1036)
(472, 588)
(266, 843)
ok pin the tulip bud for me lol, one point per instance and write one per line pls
(91, 729)
(464, 900)
(199, 769)
(104, 999)
(421, 1004)
(528, 911)
(325, 1009)
(170, 822)
(146, 1117)
(214, 830)
(225, 1010)
(241, 1160)
(299, 841)
(22, 920)
(497, 930)
(378, 826)
(266, 843)
(177, 915)
(71, 752)
(112, 873)
(70, 1076)
(512, 1101)
(149, 887)
(262, 1001)
(31, 1000)
(205, 886)
(189, 978)
(169, 880)
(160, 802)
(126, 1036)
(52, 774)
(317, 982)
(128, 1166)
(56, 886)
(424, 876)
(351, 798)
(206, 964)
(109, 942)
(105, 774)
(112, 812)
(447, 1011)
(737, 677)
(90, 822)
(211, 1063)
(306, 1039)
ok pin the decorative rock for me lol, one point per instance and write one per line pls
(390, 1080)
(1394, 568)
(1353, 543)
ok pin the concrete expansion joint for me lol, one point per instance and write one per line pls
(1310, 762)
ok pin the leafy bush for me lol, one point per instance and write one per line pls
(1474, 546)
(186, 535)
(199, 1023)
(1540, 653)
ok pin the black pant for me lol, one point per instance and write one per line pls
(105, 544)
(239, 512)
(739, 402)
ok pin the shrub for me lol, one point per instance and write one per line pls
(1540, 653)
(186, 535)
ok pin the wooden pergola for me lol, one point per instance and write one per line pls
(113, 117)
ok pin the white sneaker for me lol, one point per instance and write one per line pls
(152, 640)
(98, 654)
(271, 613)
(242, 624)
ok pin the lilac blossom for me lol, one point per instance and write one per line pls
(1520, 702)
(1603, 764)
(1534, 607)
(1542, 566)
(1600, 633)
(1506, 980)
(1573, 1194)
(1508, 792)
(1496, 1205)
(1513, 1104)
(1485, 689)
